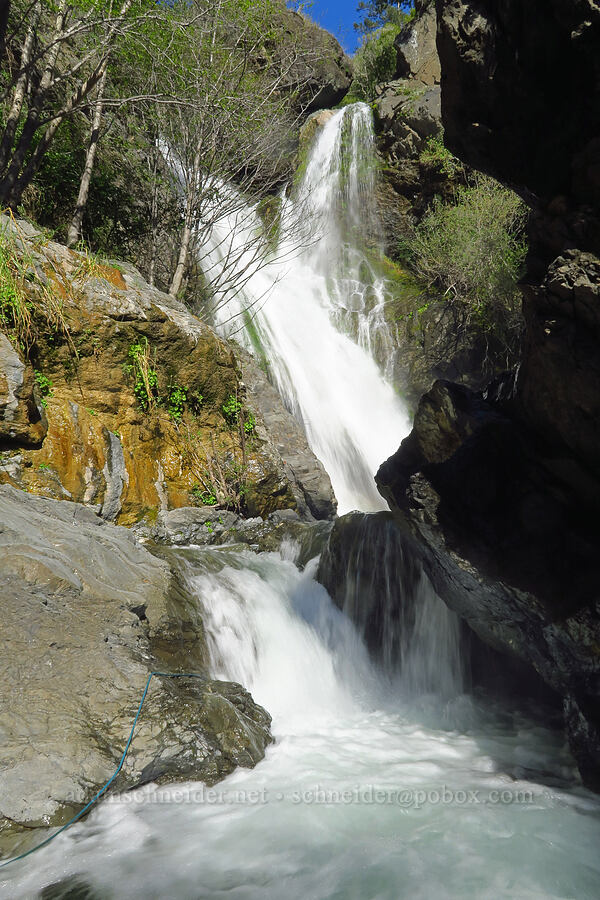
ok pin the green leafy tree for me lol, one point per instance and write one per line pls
(63, 51)
(377, 13)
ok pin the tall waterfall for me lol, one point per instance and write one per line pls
(376, 787)
(317, 310)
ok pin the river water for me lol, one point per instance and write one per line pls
(380, 784)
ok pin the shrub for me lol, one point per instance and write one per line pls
(473, 252)
(375, 61)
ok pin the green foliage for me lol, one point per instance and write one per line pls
(15, 308)
(203, 495)
(29, 308)
(473, 252)
(144, 374)
(374, 62)
(176, 401)
(236, 414)
(44, 386)
(231, 410)
(435, 153)
(376, 13)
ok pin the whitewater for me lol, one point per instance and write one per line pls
(382, 782)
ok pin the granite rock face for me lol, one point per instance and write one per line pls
(87, 614)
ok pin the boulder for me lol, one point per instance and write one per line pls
(87, 614)
(506, 529)
(317, 69)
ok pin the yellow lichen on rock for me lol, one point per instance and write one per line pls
(115, 439)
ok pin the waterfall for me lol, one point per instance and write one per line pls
(368, 792)
(317, 311)
(372, 573)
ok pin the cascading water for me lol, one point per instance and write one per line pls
(364, 796)
(317, 310)
(382, 784)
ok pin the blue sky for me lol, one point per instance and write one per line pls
(338, 17)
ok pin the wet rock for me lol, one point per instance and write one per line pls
(286, 440)
(207, 526)
(506, 529)
(22, 419)
(87, 613)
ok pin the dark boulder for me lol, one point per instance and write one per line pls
(502, 492)
(506, 529)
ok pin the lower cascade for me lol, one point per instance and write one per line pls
(368, 792)
(386, 778)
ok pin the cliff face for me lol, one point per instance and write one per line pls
(129, 403)
(502, 491)
(521, 100)
(417, 173)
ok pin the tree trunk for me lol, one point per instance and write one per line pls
(4, 14)
(14, 184)
(186, 235)
(154, 219)
(184, 247)
(74, 233)
(15, 181)
(12, 119)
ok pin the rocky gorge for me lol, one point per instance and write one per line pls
(162, 507)
(498, 493)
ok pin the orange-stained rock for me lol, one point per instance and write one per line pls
(101, 447)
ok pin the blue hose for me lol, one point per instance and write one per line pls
(103, 789)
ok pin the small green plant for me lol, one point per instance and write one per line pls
(91, 412)
(235, 414)
(203, 495)
(209, 527)
(144, 374)
(44, 386)
(44, 466)
(231, 410)
(437, 154)
(176, 401)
